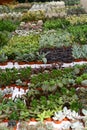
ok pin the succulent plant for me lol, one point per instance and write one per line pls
(3, 57)
(42, 126)
(53, 38)
(68, 113)
(76, 51)
(84, 83)
(11, 123)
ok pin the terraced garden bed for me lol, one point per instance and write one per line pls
(40, 77)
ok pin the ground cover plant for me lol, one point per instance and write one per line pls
(71, 2)
(56, 23)
(9, 76)
(18, 46)
(34, 15)
(8, 25)
(75, 10)
(78, 33)
(4, 38)
(52, 88)
(77, 20)
(57, 91)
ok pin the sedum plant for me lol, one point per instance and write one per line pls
(76, 51)
(71, 2)
(21, 7)
(22, 44)
(4, 38)
(3, 57)
(53, 38)
(79, 33)
(44, 115)
(56, 23)
(76, 20)
(84, 51)
(38, 126)
(42, 126)
(75, 10)
(79, 51)
(34, 15)
(7, 25)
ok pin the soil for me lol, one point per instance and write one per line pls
(5, 1)
(62, 54)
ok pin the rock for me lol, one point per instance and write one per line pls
(84, 83)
